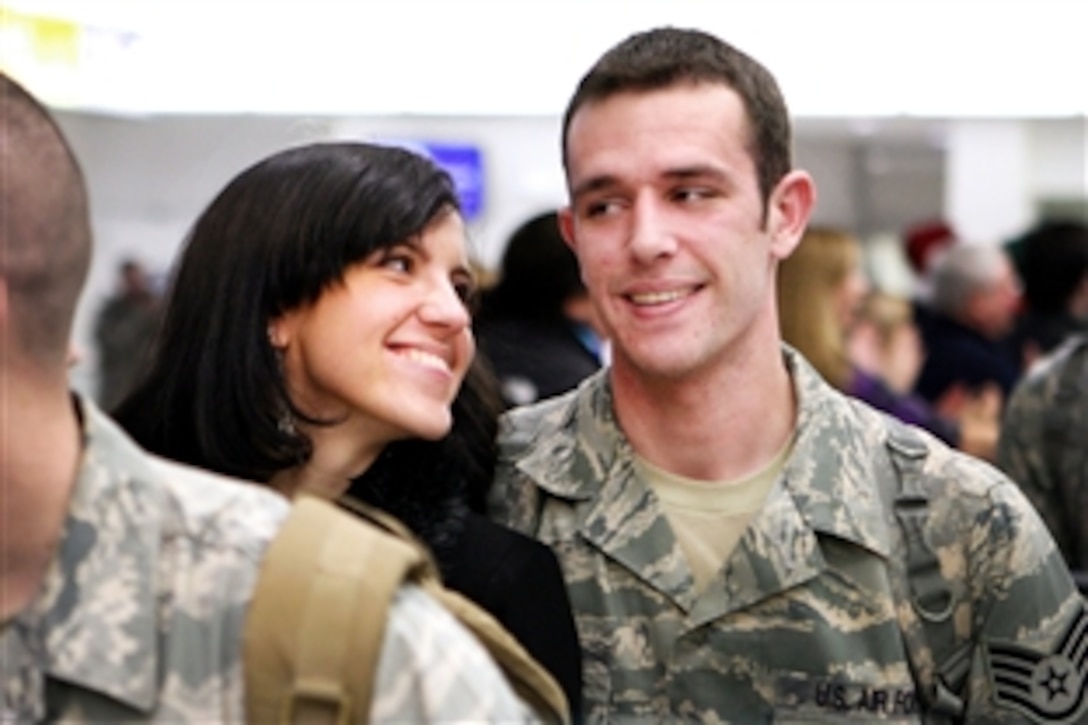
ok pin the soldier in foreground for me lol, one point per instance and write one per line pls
(741, 542)
(125, 579)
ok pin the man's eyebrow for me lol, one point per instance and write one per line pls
(593, 183)
(697, 171)
(680, 173)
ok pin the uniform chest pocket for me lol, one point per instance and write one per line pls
(622, 676)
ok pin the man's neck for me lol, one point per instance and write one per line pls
(39, 457)
(721, 425)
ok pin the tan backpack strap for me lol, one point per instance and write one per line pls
(315, 625)
(530, 680)
(425, 567)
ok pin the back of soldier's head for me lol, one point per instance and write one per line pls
(45, 238)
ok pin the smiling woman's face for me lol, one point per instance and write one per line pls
(390, 344)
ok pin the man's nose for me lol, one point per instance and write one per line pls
(651, 238)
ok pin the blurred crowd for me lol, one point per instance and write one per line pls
(952, 354)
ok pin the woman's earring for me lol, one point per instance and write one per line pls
(286, 422)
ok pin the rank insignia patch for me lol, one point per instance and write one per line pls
(1045, 686)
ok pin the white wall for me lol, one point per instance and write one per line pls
(1056, 169)
(1001, 172)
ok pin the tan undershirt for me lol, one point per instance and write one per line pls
(709, 517)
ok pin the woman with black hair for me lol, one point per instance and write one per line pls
(317, 338)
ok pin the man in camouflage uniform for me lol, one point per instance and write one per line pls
(125, 579)
(1044, 446)
(741, 542)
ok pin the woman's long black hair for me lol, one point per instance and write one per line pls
(279, 234)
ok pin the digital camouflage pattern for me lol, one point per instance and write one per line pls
(142, 612)
(1044, 445)
(802, 623)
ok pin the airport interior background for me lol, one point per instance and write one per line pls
(971, 112)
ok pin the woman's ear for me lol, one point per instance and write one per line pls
(788, 210)
(280, 331)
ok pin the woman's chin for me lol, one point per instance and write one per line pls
(431, 428)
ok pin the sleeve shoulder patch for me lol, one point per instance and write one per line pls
(1046, 687)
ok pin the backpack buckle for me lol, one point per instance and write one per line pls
(316, 701)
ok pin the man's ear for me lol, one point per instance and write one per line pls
(6, 333)
(566, 227)
(788, 210)
(3, 304)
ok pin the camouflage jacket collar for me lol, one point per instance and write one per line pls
(98, 611)
(838, 472)
(831, 477)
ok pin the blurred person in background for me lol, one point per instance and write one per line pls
(124, 332)
(1052, 261)
(317, 339)
(975, 303)
(536, 325)
(923, 244)
(886, 348)
(819, 289)
(865, 342)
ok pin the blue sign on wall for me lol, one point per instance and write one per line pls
(462, 161)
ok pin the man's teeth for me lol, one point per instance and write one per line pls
(657, 298)
(426, 358)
